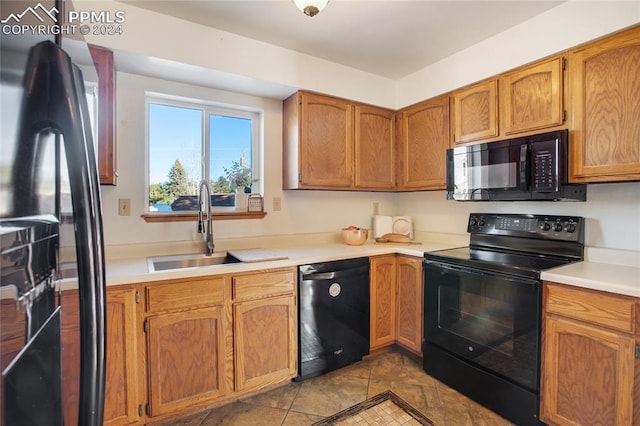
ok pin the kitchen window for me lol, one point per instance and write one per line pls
(189, 141)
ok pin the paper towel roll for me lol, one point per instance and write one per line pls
(382, 225)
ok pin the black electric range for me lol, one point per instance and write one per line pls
(483, 308)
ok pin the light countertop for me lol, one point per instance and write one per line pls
(135, 270)
(606, 270)
(620, 279)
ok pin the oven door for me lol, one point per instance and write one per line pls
(489, 319)
(489, 171)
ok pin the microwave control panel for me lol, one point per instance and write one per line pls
(544, 155)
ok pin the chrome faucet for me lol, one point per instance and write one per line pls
(201, 227)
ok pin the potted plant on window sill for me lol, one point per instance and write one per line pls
(240, 180)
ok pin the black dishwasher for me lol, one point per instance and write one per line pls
(333, 316)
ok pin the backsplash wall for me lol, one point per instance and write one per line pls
(612, 213)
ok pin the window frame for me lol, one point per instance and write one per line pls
(208, 109)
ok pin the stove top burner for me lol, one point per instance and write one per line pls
(522, 245)
(512, 263)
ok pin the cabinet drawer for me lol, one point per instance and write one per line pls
(263, 284)
(609, 310)
(184, 294)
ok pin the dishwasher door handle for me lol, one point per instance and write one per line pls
(335, 274)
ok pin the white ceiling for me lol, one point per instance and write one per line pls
(388, 38)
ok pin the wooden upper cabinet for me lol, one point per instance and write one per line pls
(332, 143)
(106, 145)
(532, 97)
(374, 148)
(605, 96)
(423, 139)
(475, 112)
(318, 142)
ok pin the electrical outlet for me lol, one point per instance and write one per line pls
(277, 204)
(124, 207)
(376, 208)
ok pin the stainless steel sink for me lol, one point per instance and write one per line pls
(165, 263)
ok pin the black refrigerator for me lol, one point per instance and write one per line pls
(49, 193)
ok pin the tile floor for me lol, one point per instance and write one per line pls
(312, 400)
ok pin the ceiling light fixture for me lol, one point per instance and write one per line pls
(311, 7)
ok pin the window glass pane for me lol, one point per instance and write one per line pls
(175, 157)
(230, 153)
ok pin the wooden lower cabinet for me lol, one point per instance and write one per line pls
(124, 391)
(382, 274)
(409, 303)
(210, 340)
(265, 341)
(396, 302)
(185, 359)
(590, 369)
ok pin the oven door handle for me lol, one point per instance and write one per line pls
(471, 270)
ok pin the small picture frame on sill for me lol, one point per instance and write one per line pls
(255, 203)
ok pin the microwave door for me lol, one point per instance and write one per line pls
(54, 102)
(488, 172)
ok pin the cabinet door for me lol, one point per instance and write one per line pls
(475, 114)
(106, 152)
(409, 302)
(374, 148)
(383, 300)
(326, 142)
(423, 141)
(124, 393)
(265, 341)
(605, 96)
(587, 375)
(532, 97)
(185, 359)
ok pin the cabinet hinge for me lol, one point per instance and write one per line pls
(137, 296)
(139, 410)
(564, 115)
(299, 100)
(638, 350)
(564, 64)
(145, 326)
(147, 409)
(300, 178)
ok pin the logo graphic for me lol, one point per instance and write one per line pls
(94, 22)
(51, 13)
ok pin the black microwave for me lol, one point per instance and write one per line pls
(526, 168)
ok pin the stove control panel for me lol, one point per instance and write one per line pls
(564, 228)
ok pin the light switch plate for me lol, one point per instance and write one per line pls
(124, 207)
